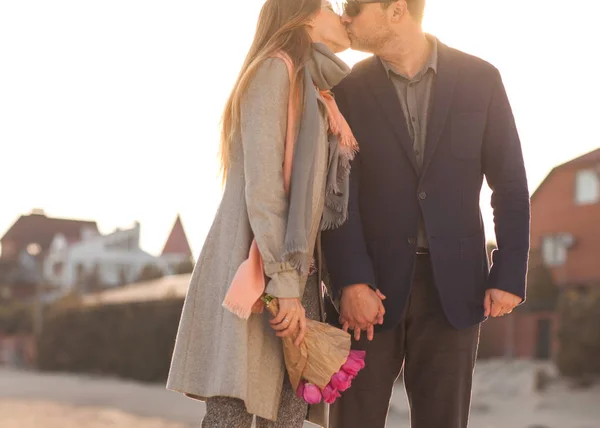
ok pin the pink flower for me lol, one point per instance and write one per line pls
(312, 394)
(358, 355)
(341, 381)
(300, 390)
(353, 366)
(330, 394)
(354, 363)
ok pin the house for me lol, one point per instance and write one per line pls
(72, 255)
(565, 221)
(177, 248)
(24, 247)
(103, 261)
(18, 278)
(39, 230)
(95, 261)
(565, 253)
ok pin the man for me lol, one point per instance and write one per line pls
(431, 122)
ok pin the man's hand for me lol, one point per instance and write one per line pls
(498, 303)
(360, 309)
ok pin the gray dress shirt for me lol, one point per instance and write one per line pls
(415, 97)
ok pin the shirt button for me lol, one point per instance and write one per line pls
(414, 119)
(412, 241)
(422, 195)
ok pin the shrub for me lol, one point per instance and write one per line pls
(579, 335)
(150, 272)
(542, 291)
(186, 266)
(132, 340)
(15, 318)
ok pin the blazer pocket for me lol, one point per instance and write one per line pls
(466, 134)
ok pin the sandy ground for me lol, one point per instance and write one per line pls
(503, 398)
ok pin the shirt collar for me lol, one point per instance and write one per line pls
(432, 61)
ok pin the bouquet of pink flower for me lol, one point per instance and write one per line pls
(323, 366)
(339, 382)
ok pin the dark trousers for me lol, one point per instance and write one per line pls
(436, 359)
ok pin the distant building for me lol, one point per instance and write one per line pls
(565, 221)
(36, 228)
(74, 256)
(177, 248)
(565, 241)
(18, 278)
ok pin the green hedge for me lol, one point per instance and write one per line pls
(133, 340)
(15, 318)
(579, 335)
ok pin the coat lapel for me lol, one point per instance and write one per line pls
(445, 82)
(387, 99)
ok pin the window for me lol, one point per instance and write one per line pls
(554, 249)
(587, 187)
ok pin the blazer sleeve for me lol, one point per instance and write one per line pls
(345, 250)
(504, 169)
(263, 116)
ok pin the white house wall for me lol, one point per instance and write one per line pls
(100, 251)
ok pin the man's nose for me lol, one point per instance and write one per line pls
(346, 19)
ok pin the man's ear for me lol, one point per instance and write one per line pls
(398, 10)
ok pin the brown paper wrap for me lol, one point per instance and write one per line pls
(323, 352)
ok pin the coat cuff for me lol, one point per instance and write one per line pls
(277, 267)
(284, 285)
(509, 273)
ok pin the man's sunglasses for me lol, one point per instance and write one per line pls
(352, 7)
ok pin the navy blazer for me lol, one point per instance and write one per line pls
(471, 134)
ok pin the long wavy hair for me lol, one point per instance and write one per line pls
(281, 27)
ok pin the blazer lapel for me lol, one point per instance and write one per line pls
(387, 99)
(445, 82)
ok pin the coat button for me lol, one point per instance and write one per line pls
(422, 195)
(412, 241)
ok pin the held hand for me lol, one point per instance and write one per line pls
(290, 320)
(498, 303)
(371, 327)
(381, 308)
(361, 308)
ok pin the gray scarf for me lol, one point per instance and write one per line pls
(325, 70)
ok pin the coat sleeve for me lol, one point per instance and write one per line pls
(263, 117)
(504, 169)
(345, 249)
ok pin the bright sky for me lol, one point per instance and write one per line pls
(109, 110)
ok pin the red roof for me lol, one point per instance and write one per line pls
(590, 158)
(177, 242)
(40, 229)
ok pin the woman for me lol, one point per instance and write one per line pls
(237, 365)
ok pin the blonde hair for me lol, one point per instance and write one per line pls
(281, 27)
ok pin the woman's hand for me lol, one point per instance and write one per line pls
(290, 320)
